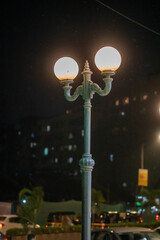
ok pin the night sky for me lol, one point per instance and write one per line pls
(36, 33)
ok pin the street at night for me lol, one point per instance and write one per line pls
(43, 134)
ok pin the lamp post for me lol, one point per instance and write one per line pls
(141, 170)
(142, 155)
(107, 61)
(142, 150)
(143, 173)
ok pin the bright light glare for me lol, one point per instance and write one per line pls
(66, 68)
(107, 58)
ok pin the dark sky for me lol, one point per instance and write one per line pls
(36, 33)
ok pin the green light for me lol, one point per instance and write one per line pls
(46, 150)
(139, 204)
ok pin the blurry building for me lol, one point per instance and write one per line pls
(46, 151)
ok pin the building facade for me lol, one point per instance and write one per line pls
(46, 151)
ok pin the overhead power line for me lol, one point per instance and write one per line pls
(130, 19)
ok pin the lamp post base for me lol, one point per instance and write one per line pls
(86, 166)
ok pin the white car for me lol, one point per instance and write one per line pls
(13, 221)
(157, 230)
(136, 233)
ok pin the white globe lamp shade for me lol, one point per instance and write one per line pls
(66, 68)
(107, 59)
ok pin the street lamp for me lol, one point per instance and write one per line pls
(142, 150)
(107, 61)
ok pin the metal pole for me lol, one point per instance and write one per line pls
(142, 159)
(87, 127)
(86, 164)
(86, 204)
(142, 156)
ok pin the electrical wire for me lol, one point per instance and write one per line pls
(130, 19)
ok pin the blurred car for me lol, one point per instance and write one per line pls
(136, 233)
(2, 237)
(104, 218)
(77, 220)
(157, 230)
(158, 216)
(131, 216)
(109, 217)
(106, 234)
(57, 219)
(13, 221)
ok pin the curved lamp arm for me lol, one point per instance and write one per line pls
(67, 93)
(102, 92)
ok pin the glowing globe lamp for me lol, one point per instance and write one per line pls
(66, 68)
(107, 59)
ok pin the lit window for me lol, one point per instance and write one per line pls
(32, 135)
(46, 151)
(126, 100)
(75, 173)
(70, 136)
(124, 184)
(56, 160)
(111, 157)
(74, 147)
(145, 199)
(117, 103)
(69, 147)
(70, 160)
(19, 133)
(122, 113)
(48, 128)
(82, 132)
(68, 111)
(33, 144)
(144, 97)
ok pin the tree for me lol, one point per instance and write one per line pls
(97, 199)
(149, 200)
(31, 202)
